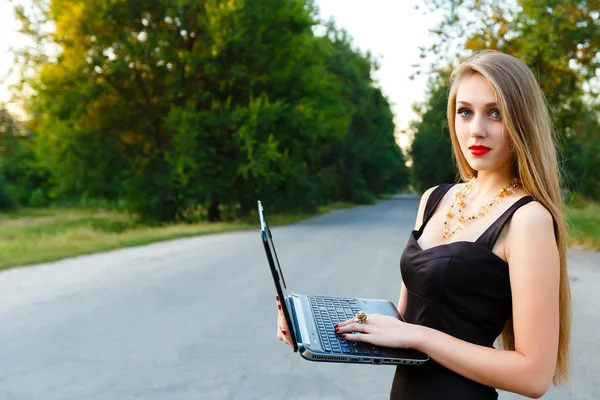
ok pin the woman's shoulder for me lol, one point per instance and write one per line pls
(531, 236)
(532, 214)
(427, 194)
(531, 221)
(447, 186)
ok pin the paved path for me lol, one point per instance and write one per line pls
(194, 318)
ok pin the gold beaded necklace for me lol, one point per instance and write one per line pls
(459, 203)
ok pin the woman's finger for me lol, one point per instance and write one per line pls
(287, 340)
(283, 335)
(353, 327)
(281, 324)
(281, 321)
(356, 337)
(371, 318)
(347, 322)
(282, 329)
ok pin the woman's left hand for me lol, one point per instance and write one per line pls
(380, 330)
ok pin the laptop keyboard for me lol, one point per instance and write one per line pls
(329, 311)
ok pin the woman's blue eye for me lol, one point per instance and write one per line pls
(496, 114)
(463, 112)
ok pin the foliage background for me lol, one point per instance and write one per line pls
(193, 110)
(559, 40)
(190, 111)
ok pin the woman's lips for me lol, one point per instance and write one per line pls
(479, 150)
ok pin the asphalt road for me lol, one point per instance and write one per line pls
(195, 318)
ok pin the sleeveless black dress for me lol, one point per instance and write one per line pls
(461, 288)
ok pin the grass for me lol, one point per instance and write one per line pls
(32, 236)
(584, 223)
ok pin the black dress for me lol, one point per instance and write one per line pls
(461, 288)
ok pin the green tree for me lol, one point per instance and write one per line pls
(175, 105)
(367, 161)
(559, 40)
(23, 181)
(431, 149)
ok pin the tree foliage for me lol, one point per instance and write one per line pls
(174, 106)
(559, 40)
(22, 180)
(431, 149)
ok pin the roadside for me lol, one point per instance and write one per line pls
(33, 236)
(584, 225)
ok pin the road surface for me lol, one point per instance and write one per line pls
(195, 318)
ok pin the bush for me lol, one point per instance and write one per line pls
(38, 198)
(7, 199)
(575, 200)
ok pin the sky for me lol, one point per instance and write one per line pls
(392, 30)
(8, 37)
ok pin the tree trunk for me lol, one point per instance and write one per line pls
(214, 214)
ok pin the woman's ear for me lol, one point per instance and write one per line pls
(511, 148)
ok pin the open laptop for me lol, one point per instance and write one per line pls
(311, 320)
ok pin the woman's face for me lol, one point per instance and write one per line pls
(479, 127)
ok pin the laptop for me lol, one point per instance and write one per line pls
(311, 320)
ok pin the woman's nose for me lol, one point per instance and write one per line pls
(477, 128)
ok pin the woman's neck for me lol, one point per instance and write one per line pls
(489, 183)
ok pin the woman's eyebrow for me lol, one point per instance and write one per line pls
(492, 104)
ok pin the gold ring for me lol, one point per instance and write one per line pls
(361, 317)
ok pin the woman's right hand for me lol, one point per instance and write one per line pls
(283, 333)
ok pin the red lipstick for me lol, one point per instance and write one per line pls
(479, 150)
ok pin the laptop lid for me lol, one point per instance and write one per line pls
(278, 279)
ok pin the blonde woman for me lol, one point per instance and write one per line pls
(487, 257)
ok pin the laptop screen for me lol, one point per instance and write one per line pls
(278, 279)
(266, 232)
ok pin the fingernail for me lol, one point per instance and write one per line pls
(284, 331)
(337, 329)
(276, 297)
(343, 336)
(279, 306)
(336, 325)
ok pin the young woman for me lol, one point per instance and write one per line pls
(488, 255)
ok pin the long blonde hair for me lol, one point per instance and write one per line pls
(527, 123)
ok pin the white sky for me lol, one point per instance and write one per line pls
(391, 29)
(8, 39)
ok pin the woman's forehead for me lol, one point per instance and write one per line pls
(475, 90)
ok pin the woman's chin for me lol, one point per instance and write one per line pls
(481, 165)
(478, 164)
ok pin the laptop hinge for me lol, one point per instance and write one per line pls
(298, 319)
